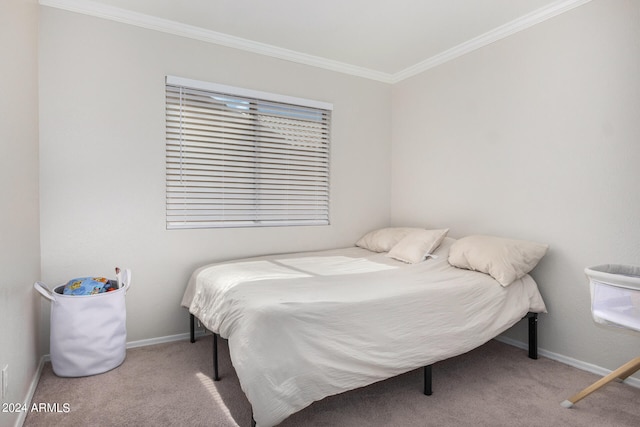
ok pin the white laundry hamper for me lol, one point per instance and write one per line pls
(88, 332)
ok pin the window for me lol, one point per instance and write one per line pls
(242, 158)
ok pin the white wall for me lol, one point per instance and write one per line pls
(535, 137)
(103, 159)
(19, 217)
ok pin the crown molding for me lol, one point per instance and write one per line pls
(112, 13)
(489, 37)
(100, 10)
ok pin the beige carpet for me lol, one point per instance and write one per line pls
(494, 385)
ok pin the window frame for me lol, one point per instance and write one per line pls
(277, 120)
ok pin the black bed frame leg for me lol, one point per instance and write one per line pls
(533, 352)
(533, 335)
(427, 380)
(192, 325)
(216, 377)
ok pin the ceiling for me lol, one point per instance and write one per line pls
(387, 40)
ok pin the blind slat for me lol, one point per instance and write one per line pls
(237, 161)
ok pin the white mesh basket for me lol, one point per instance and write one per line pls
(615, 295)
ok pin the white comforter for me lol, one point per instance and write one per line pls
(305, 326)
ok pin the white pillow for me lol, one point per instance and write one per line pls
(504, 259)
(383, 239)
(415, 246)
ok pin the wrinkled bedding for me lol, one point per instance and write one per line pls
(309, 325)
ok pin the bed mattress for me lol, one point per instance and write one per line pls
(309, 325)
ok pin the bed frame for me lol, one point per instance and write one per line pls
(428, 391)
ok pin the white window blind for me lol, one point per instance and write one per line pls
(242, 158)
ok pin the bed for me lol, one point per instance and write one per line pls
(304, 326)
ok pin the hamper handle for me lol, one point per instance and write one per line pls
(44, 291)
(125, 278)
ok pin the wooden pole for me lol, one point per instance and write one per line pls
(622, 372)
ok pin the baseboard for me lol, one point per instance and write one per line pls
(162, 340)
(594, 369)
(32, 390)
(151, 341)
